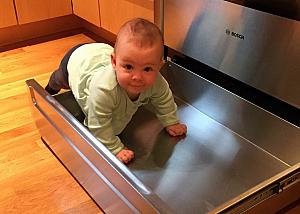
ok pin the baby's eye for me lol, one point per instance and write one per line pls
(128, 66)
(148, 69)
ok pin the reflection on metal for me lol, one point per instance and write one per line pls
(233, 151)
(257, 48)
(251, 122)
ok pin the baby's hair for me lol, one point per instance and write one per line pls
(140, 31)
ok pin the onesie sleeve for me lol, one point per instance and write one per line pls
(163, 102)
(101, 103)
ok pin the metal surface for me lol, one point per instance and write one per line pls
(267, 131)
(255, 47)
(208, 167)
(262, 192)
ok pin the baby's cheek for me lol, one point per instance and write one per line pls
(151, 80)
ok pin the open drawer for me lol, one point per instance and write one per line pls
(236, 156)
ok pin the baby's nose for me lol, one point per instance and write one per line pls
(137, 75)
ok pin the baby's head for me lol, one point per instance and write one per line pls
(137, 56)
(141, 33)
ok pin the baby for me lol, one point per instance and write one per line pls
(110, 84)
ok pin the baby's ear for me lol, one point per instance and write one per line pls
(113, 60)
(162, 62)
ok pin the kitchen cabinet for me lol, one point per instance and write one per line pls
(114, 13)
(88, 10)
(7, 13)
(37, 10)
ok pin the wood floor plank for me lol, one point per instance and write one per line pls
(12, 134)
(13, 103)
(20, 117)
(32, 180)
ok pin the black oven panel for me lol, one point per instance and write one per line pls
(285, 8)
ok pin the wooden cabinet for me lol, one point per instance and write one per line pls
(114, 13)
(7, 13)
(36, 10)
(88, 10)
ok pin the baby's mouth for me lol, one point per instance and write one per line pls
(136, 86)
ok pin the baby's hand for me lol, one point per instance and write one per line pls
(176, 129)
(125, 155)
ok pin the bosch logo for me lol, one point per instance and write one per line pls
(234, 34)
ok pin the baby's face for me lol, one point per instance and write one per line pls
(136, 67)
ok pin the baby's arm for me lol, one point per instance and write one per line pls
(176, 129)
(106, 136)
(99, 122)
(166, 108)
(125, 155)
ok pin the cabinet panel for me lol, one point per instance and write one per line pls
(88, 10)
(36, 10)
(7, 13)
(114, 13)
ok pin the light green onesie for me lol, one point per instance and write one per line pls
(105, 104)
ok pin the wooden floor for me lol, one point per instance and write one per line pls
(32, 180)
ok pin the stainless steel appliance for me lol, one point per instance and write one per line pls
(255, 47)
(236, 156)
